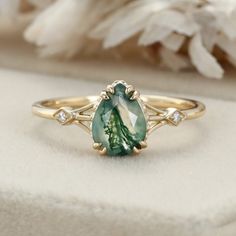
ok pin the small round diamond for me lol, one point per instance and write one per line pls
(177, 117)
(62, 116)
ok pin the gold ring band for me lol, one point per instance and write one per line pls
(157, 111)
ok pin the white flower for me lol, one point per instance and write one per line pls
(58, 29)
(203, 60)
(62, 28)
(187, 32)
(170, 23)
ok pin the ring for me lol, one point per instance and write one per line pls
(120, 119)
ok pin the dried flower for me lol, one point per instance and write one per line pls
(188, 32)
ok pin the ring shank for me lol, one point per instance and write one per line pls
(192, 108)
(47, 108)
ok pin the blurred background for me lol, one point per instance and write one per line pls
(170, 45)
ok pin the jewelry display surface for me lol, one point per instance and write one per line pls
(52, 183)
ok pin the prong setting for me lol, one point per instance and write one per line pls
(97, 146)
(135, 95)
(104, 95)
(143, 144)
(129, 89)
(136, 150)
(110, 89)
(103, 151)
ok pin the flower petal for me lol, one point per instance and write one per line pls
(203, 60)
(132, 21)
(153, 35)
(173, 41)
(173, 60)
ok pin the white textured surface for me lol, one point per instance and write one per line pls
(53, 183)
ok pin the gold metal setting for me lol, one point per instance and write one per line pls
(158, 110)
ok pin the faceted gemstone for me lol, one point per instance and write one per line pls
(176, 117)
(119, 123)
(62, 116)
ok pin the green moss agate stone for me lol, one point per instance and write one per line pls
(119, 123)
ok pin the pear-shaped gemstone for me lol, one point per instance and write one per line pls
(119, 123)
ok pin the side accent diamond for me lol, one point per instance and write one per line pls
(174, 116)
(63, 116)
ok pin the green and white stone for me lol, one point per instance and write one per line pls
(119, 123)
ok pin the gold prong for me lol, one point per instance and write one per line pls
(119, 81)
(136, 150)
(97, 146)
(110, 89)
(129, 89)
(135, 95)
(103, 151)
(143, 144)
(104, 95)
